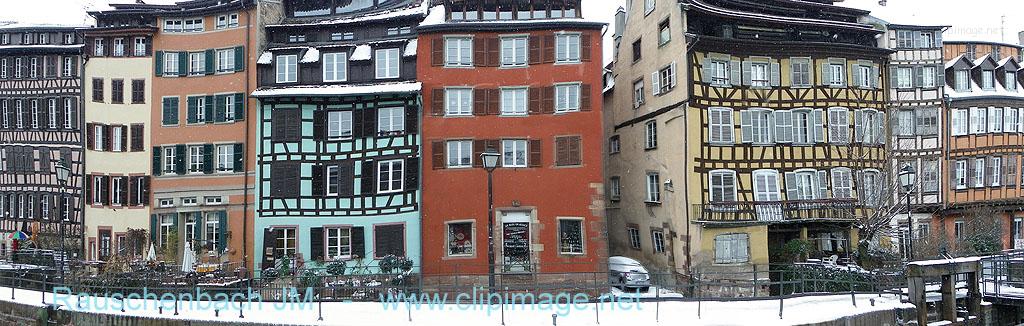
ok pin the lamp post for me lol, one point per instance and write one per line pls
(63, 173)
(907, 177)
(490, 161)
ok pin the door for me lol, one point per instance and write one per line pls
(515, 235)
(766, 196)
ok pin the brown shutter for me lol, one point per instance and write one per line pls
(479, 52)
(561, 151)
(493, 52)
(124, 138)
(123, 181)
(493, 143)
(585, 47)
(89, 188)
(437, 51)
(549, 48)
(478, 148)
(137, 137)
(493, 101)
(535, 103)
(480, 101)
(547, 100)
(108, 139)
(437, 153)
(133, 183)
(585, 97)
(90, 136)
(437, 105)
(574, 151)
(534, 51)
(535, 153)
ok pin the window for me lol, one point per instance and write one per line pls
(651, 135)
(172, 26)
(335, 67)
(924, 40)
(460, 239)
(802, 185)
(979, 172)
(285, 242)
(648, 6)
(387, 61)
(117, 91)
(459, 101)
(638, 93)
(719, 71)
(978, 125)
(225, 60)
(140, 46)
(987, 80)
(170, 111)
(513, 154)
(636, 50)
(567, 48)
(905, 123)
(212, 229)
(905, 39)
(18, 67)
(839, 125)
(195, 159)
(390, 176)
(166, 227)
(961, 174)
(962, 80)
(842, 183)
(339, 243)
(567, 151)
(117, 190)
(67, 113)
(664, 32)
(995, 119)
(7, 123)
(666, 79)
(97, 90)
(514, 101)
(614, 145)
(1011, 81)
(286, 68)
(339, 124)
(458, 52)
(723, 186)
(658, 239)
(97, 193)
(928, 76)
(3, 67)
(759, 74)
(720, 125)
(98, 139)
(33, 68)
(118, 47)
(653, 187)
(226, 158)
(342, 36)
(197, 63)
(35, 114)
(570, 236)
(513, 51)
(98, 47)
(68, 38)
(958, 230)
(995, 164)
(755, 126)
(116, 134)
(837, 74)
(193, 25)
(865, 76)
(138, 91)
(732, 248)
(170, 64)
(460, 153)
(68, 66)
(296, 38)
(614, 188)
(227, 21)
(51, 121)
(567, 98)
(229, 108)
(904, 77)
(959, 124)
(807, 126)
(927, 121)
(634, 237)
(391, 120)
(189, 201)
(930, 176)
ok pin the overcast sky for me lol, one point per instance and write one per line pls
(970, 19)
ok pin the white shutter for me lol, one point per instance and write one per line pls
(729, 186)
(655, 83)
(708, 70)
(825, 75)
(858, 126)
(819, 126)
(672, 74)
(880, 133)
(992, 120)
(874, 76)
(791, 188)
(746, 126)
(857, 78)
(1009, 125)
(1020, 120)
(735, 77)
(783, 126)
(746, 72)
(822, 185)
(775, 74)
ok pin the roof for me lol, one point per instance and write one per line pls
(436, 20)
(413, 10)
(947, 40)
(339, 90)
(30, 26)
(750, 15)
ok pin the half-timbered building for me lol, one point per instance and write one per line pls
(40, 93)
(916, 92)
(119, 80)
(984, 139)
(338, 134)
(520, 79)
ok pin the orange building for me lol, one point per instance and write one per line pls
(528, 88)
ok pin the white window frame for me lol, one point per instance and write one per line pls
(225, 158)
(996, 165)
(719, 72)
(519, 153)
(568, 48)
(651, 135)
(386, 172)
(961, 174)
(760, 74)
(340, 243)
(988, 81)
(287, 68)
(335, 67)
(171, 64)
(720, 122)
(115, 139)
(388, 63)
(97, 46)
(195, 160)
(1011, 81)
(458, 51)
(979, 172)
(842, 182)
(839, 125)
(119, 47)
(978, 120)
(959, 122)
(514, 101)
(718, 189)
(653, 182)
(471, 249)
(140, 46)
(390, 120)
(339, 125)
(514, 51)
(928, 76)
(458, 101)
(995, 119)
(567, 97)
(837, 74)
(459, 154)
(225, 60)
(904, 77)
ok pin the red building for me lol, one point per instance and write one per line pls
(523, 78)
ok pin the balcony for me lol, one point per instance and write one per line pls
(777, 211)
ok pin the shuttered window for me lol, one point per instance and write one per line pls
(389, 240)
(286, 125)
(838, 125)
(732, 248)
(567, 151)
(720, 127)
(170, 111)
(284, 179)
(458, 51)
(567, 48)
(723, 186)
(390, 176)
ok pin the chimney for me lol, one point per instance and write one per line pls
(1020, 36)
(620, 23)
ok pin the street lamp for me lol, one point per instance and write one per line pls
(490, 159)
(63, 173)
(907, 177)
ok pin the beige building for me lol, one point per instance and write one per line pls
(117, 103)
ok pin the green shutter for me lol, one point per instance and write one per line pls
(193, 110)
(179, 159)
(159, 63)
(170, 111)
(208, 159)
(218, 108)
(182, 63)
(208, 108)
(198, 231)
(153, 228)
(209, 58)
(222, 227)
(240, 58)
(157, 166)
(240, 107)
(239, 152)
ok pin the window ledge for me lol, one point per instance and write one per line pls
(652, 203)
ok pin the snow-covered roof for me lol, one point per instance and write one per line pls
(436, 16)
(339, 90)
(977, 91)
(420, 10)
(951, 63)
(362, 53)
(266, 58)
(43, 46)
(14, 25)
(410, 48)
(1004, 61)
(312, 55)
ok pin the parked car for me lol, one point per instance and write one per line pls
(628, 273)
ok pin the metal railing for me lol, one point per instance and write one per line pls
(1002, 275)
(775, 211)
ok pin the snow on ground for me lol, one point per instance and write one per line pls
(652, 292)
(803, 310)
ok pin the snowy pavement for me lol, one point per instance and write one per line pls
(796, 311)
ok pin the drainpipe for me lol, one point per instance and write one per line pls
(245, 158)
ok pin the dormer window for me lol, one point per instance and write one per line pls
(296, 38)
(44, 38)
(26, 38)
(1011, 81)
(961, 80)
(988, 81)
(5, 39)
